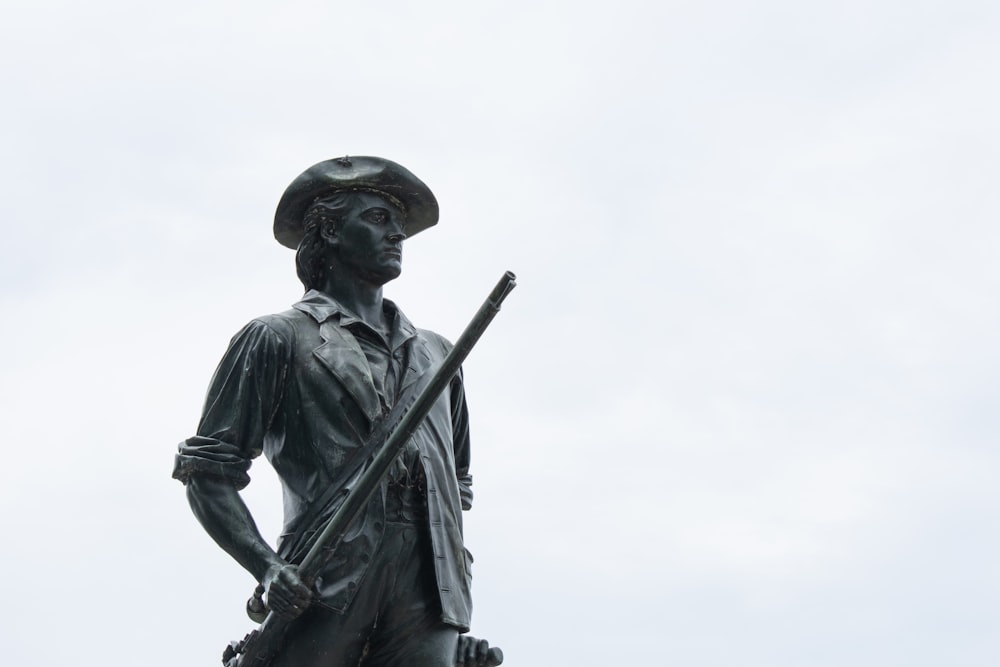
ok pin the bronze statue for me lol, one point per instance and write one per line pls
(317, 389)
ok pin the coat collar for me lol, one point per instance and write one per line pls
(341, 354)
(321, 307)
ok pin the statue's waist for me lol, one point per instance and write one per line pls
(406, 501)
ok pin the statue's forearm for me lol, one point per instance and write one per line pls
(225, 517)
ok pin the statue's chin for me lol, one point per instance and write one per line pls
(384, 276)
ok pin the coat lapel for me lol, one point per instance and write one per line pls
(341, 354)
(418, 362)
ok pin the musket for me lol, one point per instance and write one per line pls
(260, 647)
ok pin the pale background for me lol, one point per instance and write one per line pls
(740, 411)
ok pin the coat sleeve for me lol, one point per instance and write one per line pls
(460, 440)
(243, 399)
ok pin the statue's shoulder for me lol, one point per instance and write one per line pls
(435, 341)
(286, 325)
(286, 318)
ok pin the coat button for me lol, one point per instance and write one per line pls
(365, 558)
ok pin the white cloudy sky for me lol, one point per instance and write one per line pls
(741, 409)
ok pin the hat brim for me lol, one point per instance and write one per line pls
(326, 178)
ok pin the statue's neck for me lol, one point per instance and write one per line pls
(361, 297)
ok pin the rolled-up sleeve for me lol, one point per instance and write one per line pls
(243, 399)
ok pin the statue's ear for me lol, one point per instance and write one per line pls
(328, 231)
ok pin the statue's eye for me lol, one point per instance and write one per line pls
(376, 216)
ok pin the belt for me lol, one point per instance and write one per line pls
(406, 503)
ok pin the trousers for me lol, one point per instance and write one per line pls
(394, 620)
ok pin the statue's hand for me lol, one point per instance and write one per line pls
(286, 594)
(472, 652)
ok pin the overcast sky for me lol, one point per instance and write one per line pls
(741, 409)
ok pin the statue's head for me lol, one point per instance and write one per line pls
(316, 206)
(358, 233)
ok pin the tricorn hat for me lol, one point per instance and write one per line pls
(362, 173)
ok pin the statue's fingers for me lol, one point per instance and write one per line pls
(469, 650)
(292, 588)
(466, 653)
(472, 650)
(482, 651)
(288, 609)
(302, 597)
(280, 599)
(278, 606)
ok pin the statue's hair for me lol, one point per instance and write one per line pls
(311, 261)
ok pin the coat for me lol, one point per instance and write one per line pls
(298, 387)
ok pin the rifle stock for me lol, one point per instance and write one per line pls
(260, 647)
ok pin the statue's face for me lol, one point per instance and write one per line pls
(369, 238)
